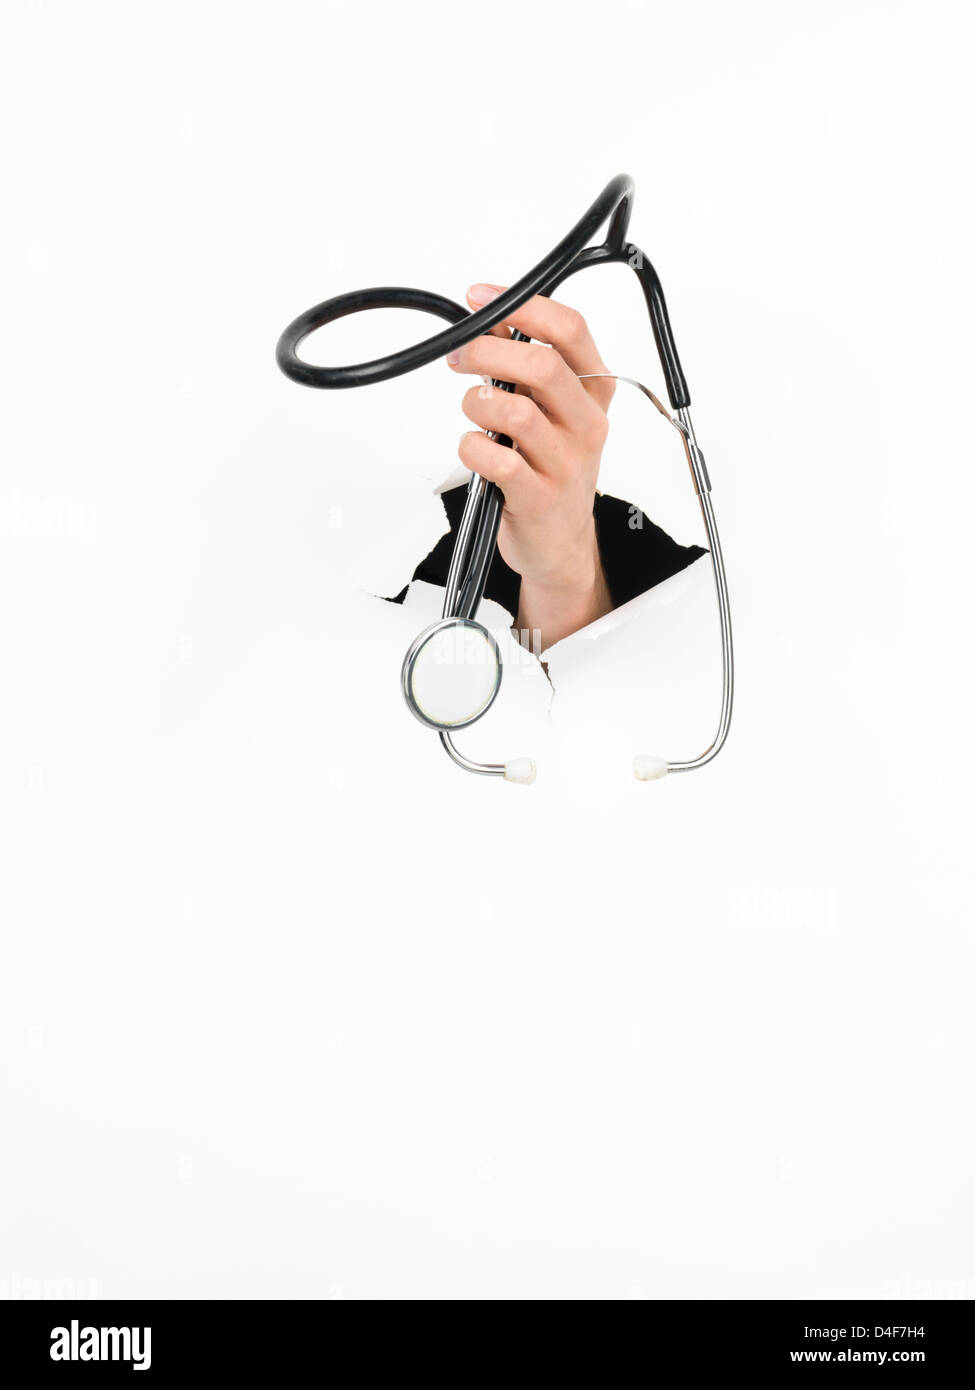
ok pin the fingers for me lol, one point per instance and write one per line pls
(499, 464)
(516, 416)
(563, 327)
(500, 330)
(541, 370)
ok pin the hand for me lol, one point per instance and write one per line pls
(558, 426)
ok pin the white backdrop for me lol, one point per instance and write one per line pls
(289, 1006)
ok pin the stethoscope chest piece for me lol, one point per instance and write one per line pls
(452, 674)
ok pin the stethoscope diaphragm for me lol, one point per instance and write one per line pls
(452, 673)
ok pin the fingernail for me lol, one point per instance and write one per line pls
(453, 357)
(483, 294)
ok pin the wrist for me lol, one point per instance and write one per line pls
(573, 571)
(556, 605)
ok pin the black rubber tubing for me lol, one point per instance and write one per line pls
(572, 254)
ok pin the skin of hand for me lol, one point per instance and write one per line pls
(558, 425)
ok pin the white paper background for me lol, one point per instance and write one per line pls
(289, 1006)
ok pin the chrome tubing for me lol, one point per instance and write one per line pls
(682, 423)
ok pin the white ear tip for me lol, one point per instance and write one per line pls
(647, 768)
(520, 770)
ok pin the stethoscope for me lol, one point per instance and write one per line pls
(451, 674)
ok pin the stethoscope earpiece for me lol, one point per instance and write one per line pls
(647, 768)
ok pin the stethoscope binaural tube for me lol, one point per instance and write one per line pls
(477, 533)
(648, 767)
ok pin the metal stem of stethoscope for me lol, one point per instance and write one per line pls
(645, 767)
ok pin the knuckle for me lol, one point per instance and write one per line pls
(574, 326)
(594, 434)
(504, 467)
(601, 392)
(521, 414)
(600, 428)
(474, 355)
(548, 366)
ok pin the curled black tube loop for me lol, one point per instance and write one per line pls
(571, 254)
